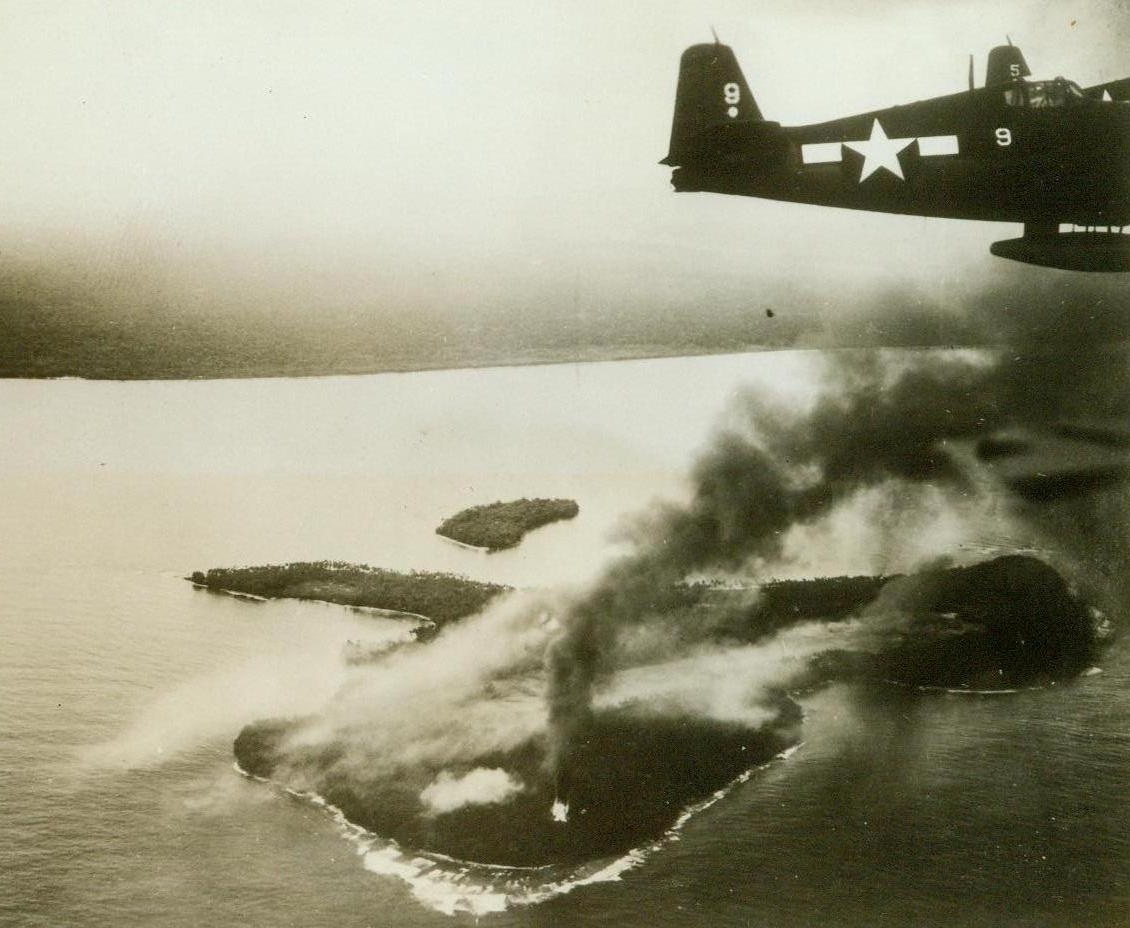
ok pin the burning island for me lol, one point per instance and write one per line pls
(635, 759)
(560, 728)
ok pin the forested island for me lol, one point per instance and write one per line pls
(1009, 622)
(1005, 622)
(439, 597)
(503, 524)
(630, 779)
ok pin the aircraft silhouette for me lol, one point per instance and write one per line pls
(1042, 153)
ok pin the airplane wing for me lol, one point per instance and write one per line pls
(1118, 90)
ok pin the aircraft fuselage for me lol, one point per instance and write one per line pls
(970, 155)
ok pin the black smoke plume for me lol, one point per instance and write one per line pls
(881, 418)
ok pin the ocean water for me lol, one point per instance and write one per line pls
(122, 687)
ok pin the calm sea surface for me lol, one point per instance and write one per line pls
(121, 688)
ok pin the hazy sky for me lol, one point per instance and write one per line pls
(417, 153)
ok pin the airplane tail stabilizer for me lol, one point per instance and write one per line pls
(1006, 63)
(712, 93)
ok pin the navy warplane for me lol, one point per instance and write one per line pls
(1042, 153)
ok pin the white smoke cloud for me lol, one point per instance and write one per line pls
(727, 684)
(479, 787)
(476, 688)
(217, 704)
(897, 527)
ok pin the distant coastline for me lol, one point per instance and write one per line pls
(14, 367)
(30, 368)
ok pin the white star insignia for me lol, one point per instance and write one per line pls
(879, 152)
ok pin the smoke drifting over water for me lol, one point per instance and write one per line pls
(762, 477)
(882, 422)
(661, 691)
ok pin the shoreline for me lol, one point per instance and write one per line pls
(654, 353)
(234, 593)
(451, 885)
(504, 524)
(394, 614)
(422, 366)
(469, 547)
(436, 599)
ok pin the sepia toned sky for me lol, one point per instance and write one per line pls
(484, 151)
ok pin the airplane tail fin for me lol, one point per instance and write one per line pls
(1006, 64)
(712, 92)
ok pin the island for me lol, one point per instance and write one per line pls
(1008, 622)
(437, 597)
(630, 780)
(500, 525)
(635, 766)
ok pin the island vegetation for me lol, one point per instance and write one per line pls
(629, 781)
(440, 597)
(503, 524)
(1009, 622)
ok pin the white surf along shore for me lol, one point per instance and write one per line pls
(450, 886)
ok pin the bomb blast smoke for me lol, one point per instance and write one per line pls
(879, 420)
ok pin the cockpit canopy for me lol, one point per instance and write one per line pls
(1036, 95)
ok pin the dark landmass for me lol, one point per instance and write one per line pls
(440, 597)
(785, 602)
(631, 777)
(1003, 623)
(1010, 621)
(61, 319)
(66, 313)
(503, 524)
